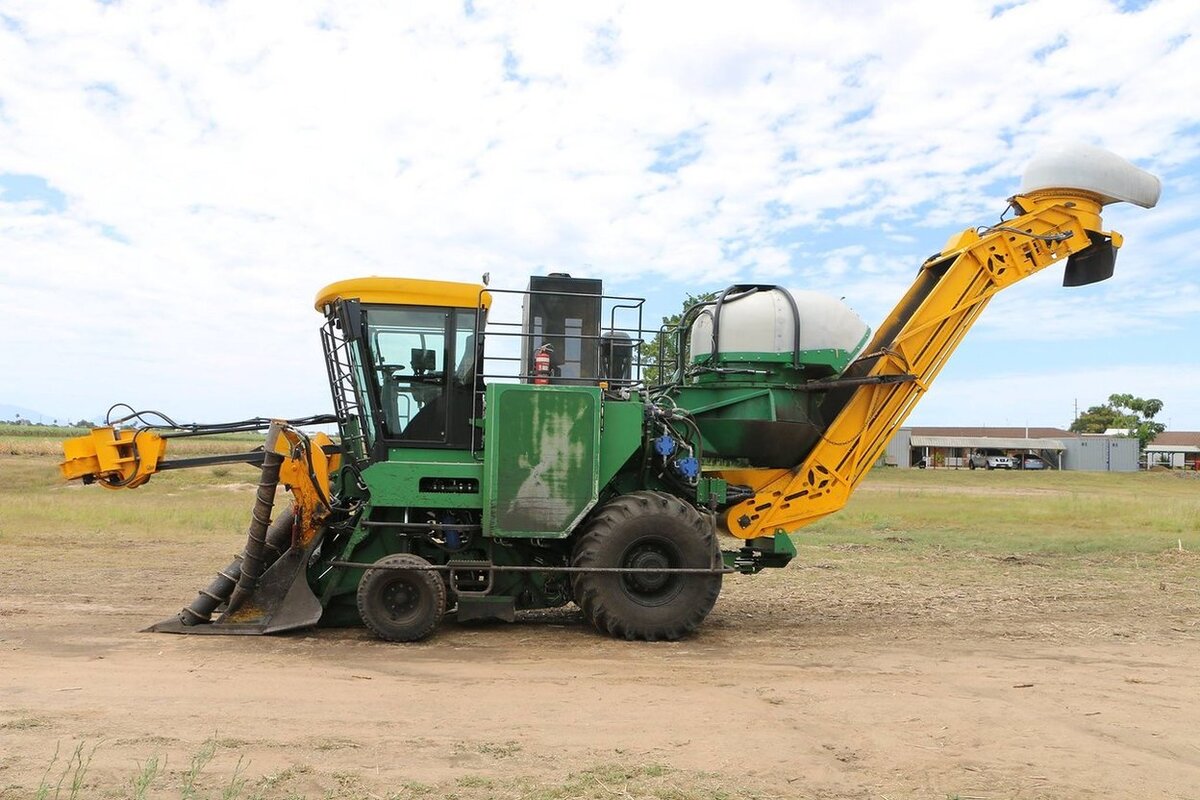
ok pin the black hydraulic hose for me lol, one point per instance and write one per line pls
(207, 429)
(138, 415)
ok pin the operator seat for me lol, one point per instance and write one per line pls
(447, 417)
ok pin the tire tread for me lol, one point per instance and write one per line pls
(590, 595)
(431, 579)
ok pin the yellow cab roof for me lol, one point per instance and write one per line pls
(405, 292)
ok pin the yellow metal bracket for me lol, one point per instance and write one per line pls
(117, 459)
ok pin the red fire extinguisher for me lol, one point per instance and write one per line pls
(541, 364)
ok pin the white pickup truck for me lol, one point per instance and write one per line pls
(990, 462)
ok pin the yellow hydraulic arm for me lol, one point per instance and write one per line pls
(126, 458)
(912, 345)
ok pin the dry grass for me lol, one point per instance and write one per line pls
(69, 778)
(938, 547)
(184, 506)
(1064, 557)
(1052, 556)
(1020, 512)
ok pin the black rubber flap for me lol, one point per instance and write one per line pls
(1092, 265)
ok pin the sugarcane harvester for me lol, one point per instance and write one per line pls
(482, 468)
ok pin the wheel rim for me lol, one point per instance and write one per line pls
(651, 588)
(401, 600)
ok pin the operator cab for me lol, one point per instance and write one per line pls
(402, 357)
(405, 356)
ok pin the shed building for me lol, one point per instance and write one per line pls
(1095, 452)
(1175, 449)
(1058, 448)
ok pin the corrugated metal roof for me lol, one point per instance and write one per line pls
(1172, 448)
(1021, 432)
(987, 442)
(1177, 437)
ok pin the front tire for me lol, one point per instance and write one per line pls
(647, 530)
(401, 605)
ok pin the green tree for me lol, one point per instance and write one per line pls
(1099, 419)
(1123, 412)
(666, 341)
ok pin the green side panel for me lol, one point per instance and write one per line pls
(431, 455)
(620, 436)
(541, 457)
(426, 478)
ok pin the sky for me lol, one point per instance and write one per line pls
(179, 179)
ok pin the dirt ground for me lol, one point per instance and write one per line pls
(851, 674)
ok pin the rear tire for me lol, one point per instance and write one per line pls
(647, 530)
(401, 605)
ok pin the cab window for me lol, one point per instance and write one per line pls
(423, 368)
(409, 351)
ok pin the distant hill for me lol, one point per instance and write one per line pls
(10, 413)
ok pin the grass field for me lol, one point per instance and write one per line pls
(1029, 512)
(1108, 515)
(1052, 557)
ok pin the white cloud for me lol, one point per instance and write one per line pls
(222, 162)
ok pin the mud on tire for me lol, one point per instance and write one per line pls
(647, 530)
